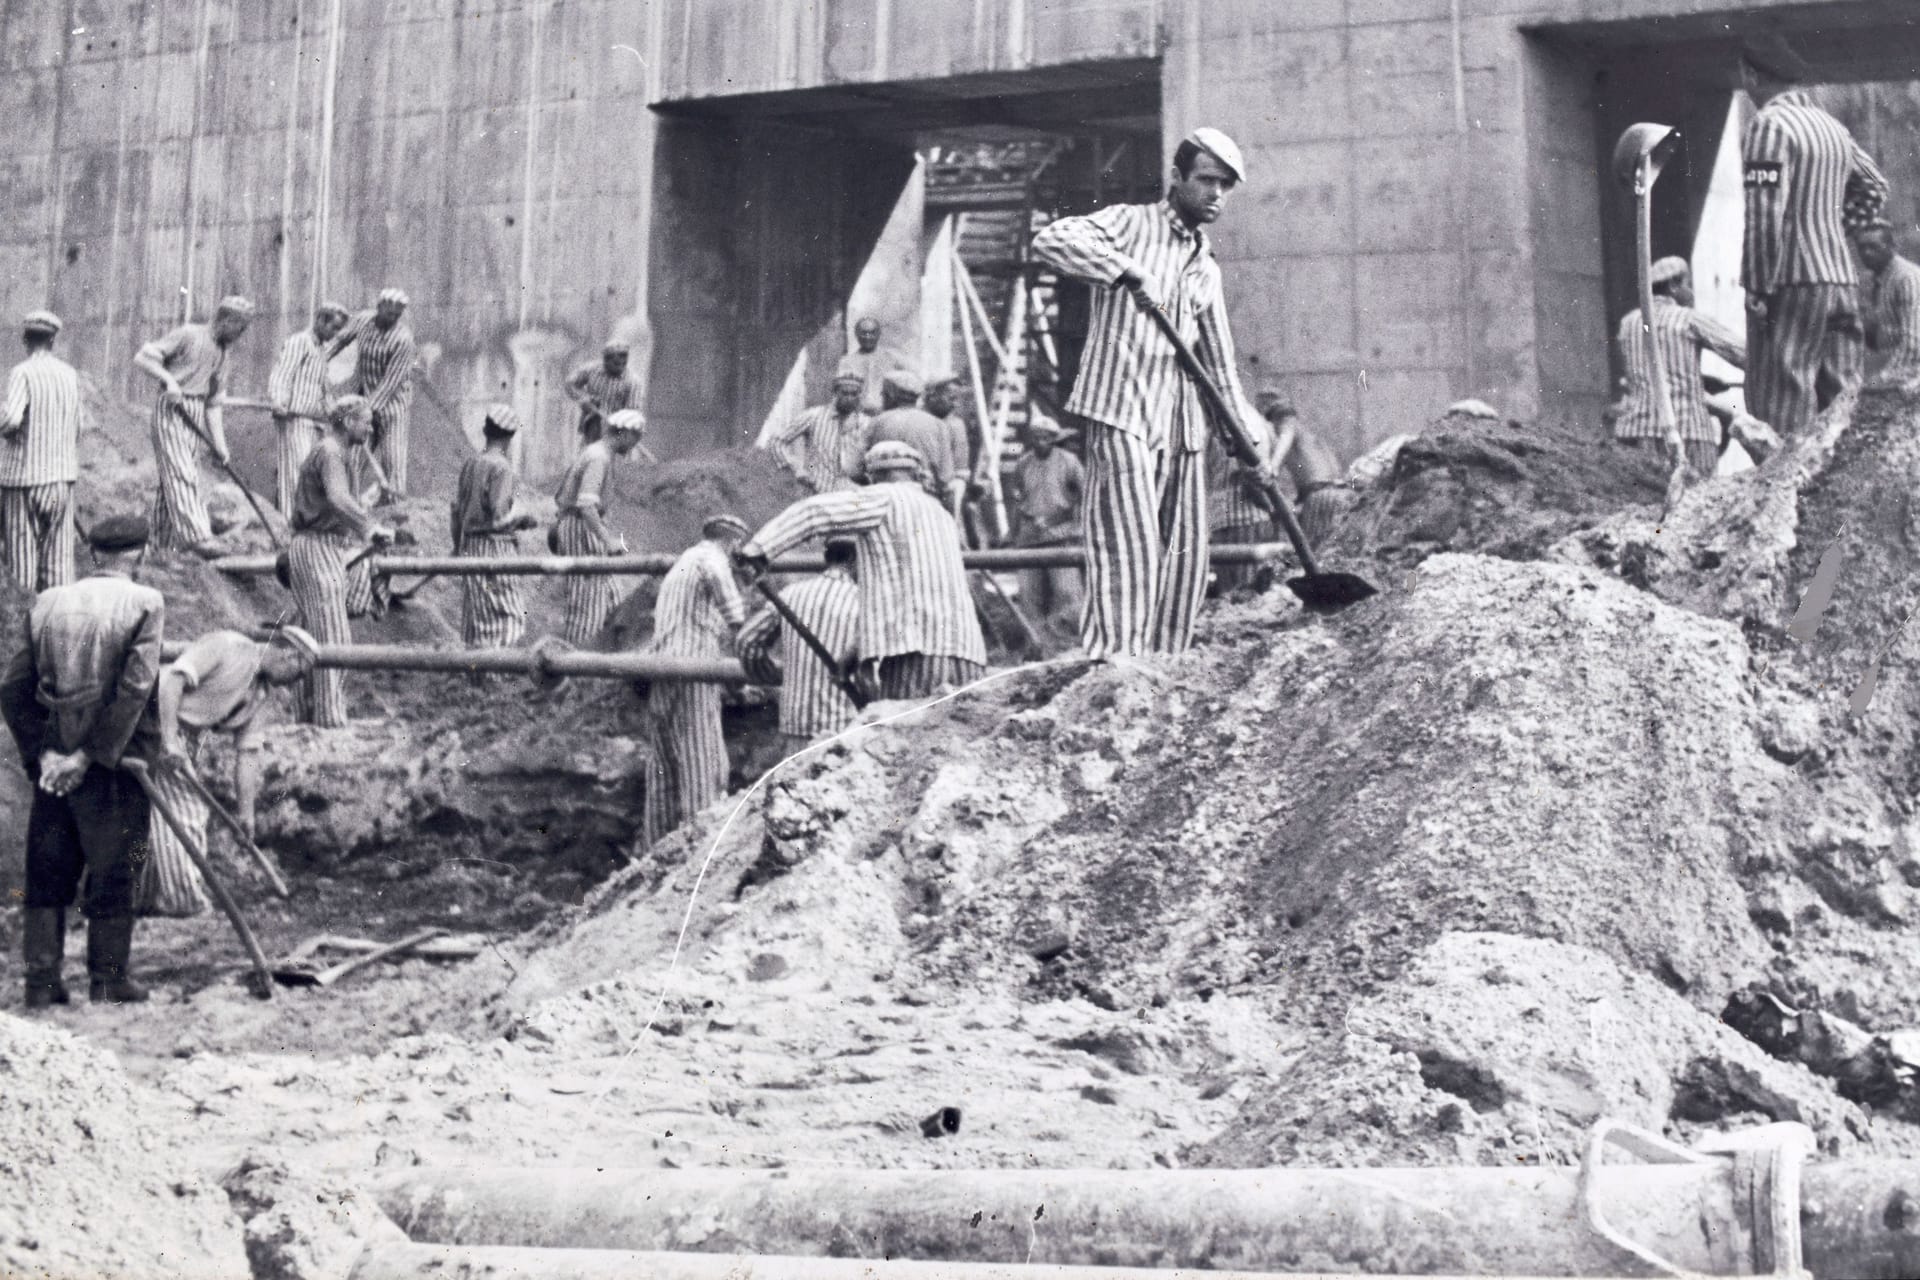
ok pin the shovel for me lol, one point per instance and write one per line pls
(253, 500)
(262, 984)
(847, 684)
(234, 825)
(1319, 589)
(1643, 150)
(299, 975)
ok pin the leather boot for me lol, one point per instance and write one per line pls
(109, 944)
(44, 942)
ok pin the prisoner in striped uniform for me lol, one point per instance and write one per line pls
(695, 615)
(1320, 484)
(383, 374)
(1681, 334)
(188, 363)
(1806, 178)
(812, 701)
(330, 527)
(217, 685)
(1146, 530)
(942, 400)
(918, 629)
(582, 528)
(1893, 307)
(297, 389)
(602, 390)
(1047, 494)
(824, 446)
(485, 520)
(39, 460)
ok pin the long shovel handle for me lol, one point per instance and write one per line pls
(259, 512)
(846, 682)
(232, 824)
(264, 987)
(1227, 422)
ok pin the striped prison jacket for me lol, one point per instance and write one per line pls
(611, 393)
(1129, 377)
(913, 582)
(699, 606)
(823, 448)
(1681, 333)
(384, 367)
(299, 377)
(40, 429)
(811, 702)
(1807, 181)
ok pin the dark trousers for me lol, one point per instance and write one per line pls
(101, 828)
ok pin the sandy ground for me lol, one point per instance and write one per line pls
(1441, 880)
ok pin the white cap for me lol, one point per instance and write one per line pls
(1221, 148)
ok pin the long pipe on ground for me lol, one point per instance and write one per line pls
(654, 564)
(451, 1262)
(1858, 1218)
(604, 666)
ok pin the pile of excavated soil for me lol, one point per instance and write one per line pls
(1503, 488)
(1298, 817)
(91, 1190)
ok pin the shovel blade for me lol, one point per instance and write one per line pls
(1326, 592)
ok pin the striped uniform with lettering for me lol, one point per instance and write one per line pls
(170, 885)
(39, 462)
(492, 614)
(825, 449)
(1681, 334)
(914, 598)
(1806, 181)
(611, 393)
(590, 596)
(298, 381)
(811, 700)
(383, 373)
(1896, 305)
(1146, 529)
(695, 616)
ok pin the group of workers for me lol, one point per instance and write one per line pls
(891, 468)
(1814, 203)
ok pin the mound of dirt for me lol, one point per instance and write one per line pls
(1291, 815)
(91, 1192)
(1503, 488)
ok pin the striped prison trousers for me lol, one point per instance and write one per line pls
(297, 438)
(37, 523)
(492, 614)
(1320, 506)
(1703, 456)
(1146, 541)
(170, 885)
(687, 766)
(390, 442)
(317, 574)
(920, 675)
(179, 509)
(1809, 346)
(590, 596)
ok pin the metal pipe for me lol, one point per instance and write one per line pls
(452, 1262)
(604, 666)
(1460, 1221)
(654, 564)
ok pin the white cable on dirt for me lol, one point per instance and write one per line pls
(713, 847)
